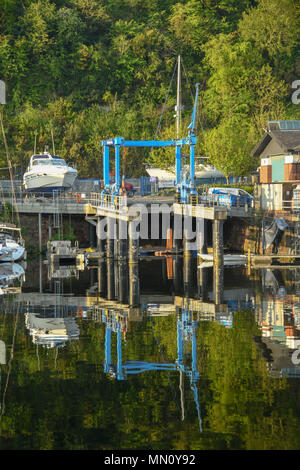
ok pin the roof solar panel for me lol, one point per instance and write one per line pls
(285, 125)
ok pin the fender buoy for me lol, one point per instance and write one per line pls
(78, 197)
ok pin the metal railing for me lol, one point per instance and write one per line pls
(110, 201)
(58, 198)
(115, 202)
(214, 200)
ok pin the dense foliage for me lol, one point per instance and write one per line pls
(85, 70)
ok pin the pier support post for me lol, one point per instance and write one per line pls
(101, 277)
(40, 231)
(218, 261)
(201, 231)
(189, 270)
(188, 245)
(202, 281)
(178, 271)
(218, 242)
(218, 283)
(133, 242)
(133, 246)
(110, 279)
(122, 262)
(49, 227)
(201, 249)
(134, 285)
(100, 239)
(92, 236)
(177, 232)
(110, 242)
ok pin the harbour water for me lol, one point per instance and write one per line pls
(191, 364)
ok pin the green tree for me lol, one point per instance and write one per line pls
(228, 147)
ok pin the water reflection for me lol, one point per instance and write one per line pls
(206, 334)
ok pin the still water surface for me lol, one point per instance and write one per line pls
(200, 360)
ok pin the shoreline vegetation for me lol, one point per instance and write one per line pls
(87, 70)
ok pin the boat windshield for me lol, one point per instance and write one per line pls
(49, 162)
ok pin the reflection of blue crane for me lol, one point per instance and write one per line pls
(185, 183)
(186, 332)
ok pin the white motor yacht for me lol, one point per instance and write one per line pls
(46, 173)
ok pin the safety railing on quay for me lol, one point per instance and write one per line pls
(66, 197)
(119, 202)
(214, 200)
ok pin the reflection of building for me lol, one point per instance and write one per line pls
(279, 320)
(278, 313)
(51, 331)
(279, 154)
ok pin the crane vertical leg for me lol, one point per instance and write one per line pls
(119, 354)
(117, 169)
(179, 342)
(192, 168)
(106, 166)
(107, 349)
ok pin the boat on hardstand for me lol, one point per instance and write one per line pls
(204, 174)
(10, 248)
(46, 173)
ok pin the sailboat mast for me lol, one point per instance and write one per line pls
(178, 105)
(53, 147)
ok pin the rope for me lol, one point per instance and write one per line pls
(190, 88)
(164, 106)
(9, 166)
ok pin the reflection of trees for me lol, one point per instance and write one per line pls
(67, 402)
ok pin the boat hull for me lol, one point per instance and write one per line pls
(49, 183)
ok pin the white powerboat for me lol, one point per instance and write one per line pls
(46, 173)
(204, 174)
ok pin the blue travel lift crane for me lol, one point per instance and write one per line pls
(184, 182)
(186, 332)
